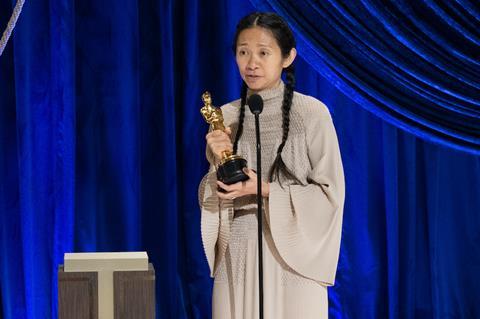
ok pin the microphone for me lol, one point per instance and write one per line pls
(255, 103)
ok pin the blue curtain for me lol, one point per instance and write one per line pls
(412, 63)
(102, 149)
(37, 147)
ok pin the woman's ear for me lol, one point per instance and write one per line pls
(289, 60)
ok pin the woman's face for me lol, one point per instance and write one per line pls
(260, 59)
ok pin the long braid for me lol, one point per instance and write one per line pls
(278, 165)
(241, 117)
(286, 41)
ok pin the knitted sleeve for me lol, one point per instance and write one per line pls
(216, 214)
(216, 218)
(306, 220)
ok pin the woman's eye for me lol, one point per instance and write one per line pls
(242, 52)
(264, 53)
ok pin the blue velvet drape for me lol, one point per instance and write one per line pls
(102, 147)
(415, 64)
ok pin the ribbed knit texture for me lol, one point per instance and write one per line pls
(303, 222)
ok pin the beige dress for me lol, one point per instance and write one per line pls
(302, 223)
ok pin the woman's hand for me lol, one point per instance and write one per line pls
(219, 141)
(248, 187)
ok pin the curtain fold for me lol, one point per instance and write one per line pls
(38, 152)
(413, 64)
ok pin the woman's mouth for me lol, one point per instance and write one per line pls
(252, 77)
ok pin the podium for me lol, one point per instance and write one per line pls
(106, 286)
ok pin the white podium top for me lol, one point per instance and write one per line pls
(123, 261)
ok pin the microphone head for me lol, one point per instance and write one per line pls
(255, 103)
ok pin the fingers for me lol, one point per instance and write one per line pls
(226, 196)
(219, 141)
(239, 189)
(218, 136)
(219, 147)
(218, 133)
(250, 173)
(228, 191)
(236, 190)
(228, 188)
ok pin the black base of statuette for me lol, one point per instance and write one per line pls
(231, 171)
(134, 294)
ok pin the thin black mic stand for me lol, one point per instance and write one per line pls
(255, 103)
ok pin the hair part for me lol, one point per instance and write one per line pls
(271, 22)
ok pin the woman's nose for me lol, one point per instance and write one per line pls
(252, 63)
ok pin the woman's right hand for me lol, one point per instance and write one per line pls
(219, 141)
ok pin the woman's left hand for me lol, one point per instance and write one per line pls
(248, 187)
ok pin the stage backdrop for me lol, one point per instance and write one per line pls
(102, 145)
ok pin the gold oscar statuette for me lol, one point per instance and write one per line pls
(230, 169)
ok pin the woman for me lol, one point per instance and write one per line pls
(303, 188)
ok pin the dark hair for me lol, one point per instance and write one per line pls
(286, 41)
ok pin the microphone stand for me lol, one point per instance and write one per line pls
(259, 213)
(255, 103)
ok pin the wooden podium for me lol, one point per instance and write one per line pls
(106, 286)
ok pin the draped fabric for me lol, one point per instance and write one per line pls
(414, 64)
(37, 135)
(102, 149)
(102, 142)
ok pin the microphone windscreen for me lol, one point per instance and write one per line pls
(255, 103)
